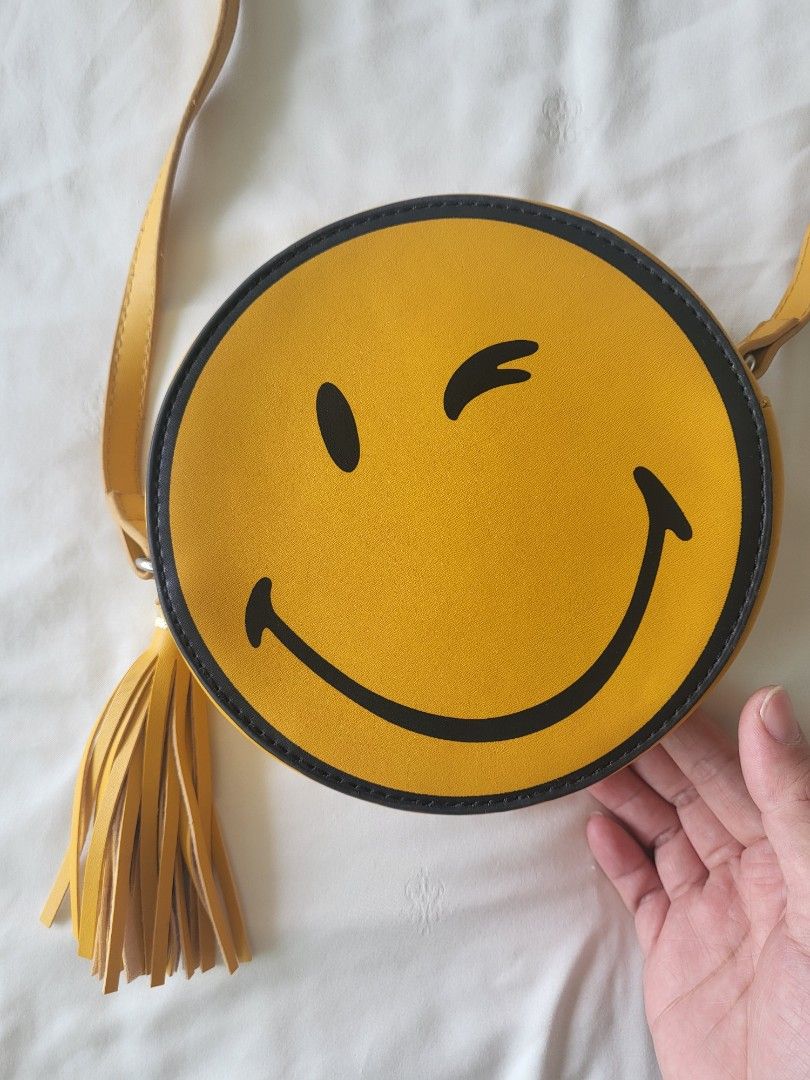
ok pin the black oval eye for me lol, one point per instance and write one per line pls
(338, 429)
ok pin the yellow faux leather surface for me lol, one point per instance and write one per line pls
(469, 566)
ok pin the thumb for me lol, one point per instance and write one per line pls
(775, 759)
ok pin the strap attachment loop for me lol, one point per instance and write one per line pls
(792, 313)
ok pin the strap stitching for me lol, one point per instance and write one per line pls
(150, 321)
(796, 276)
(119, 334)
(217, 54)
(530, 794)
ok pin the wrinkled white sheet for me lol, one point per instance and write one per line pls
(388, 945)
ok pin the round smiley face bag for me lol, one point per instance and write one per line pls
(456, 505)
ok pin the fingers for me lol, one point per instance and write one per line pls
(775, 760)
(709, 837)
(655, 825)
(632, 874)
(710, 762)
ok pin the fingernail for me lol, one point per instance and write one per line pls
(776, 713)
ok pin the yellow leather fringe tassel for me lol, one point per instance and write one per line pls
(154, 890)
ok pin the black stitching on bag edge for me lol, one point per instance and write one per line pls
(528, 795)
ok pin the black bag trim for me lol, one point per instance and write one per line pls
(723, 364)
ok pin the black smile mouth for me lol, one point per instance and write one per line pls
(664, 515)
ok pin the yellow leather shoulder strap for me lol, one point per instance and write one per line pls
(126, 401)
(792, 313)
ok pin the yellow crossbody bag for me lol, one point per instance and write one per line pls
(456, 505)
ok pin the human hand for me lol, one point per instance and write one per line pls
(710, 851)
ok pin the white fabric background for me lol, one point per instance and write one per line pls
(388, 944)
